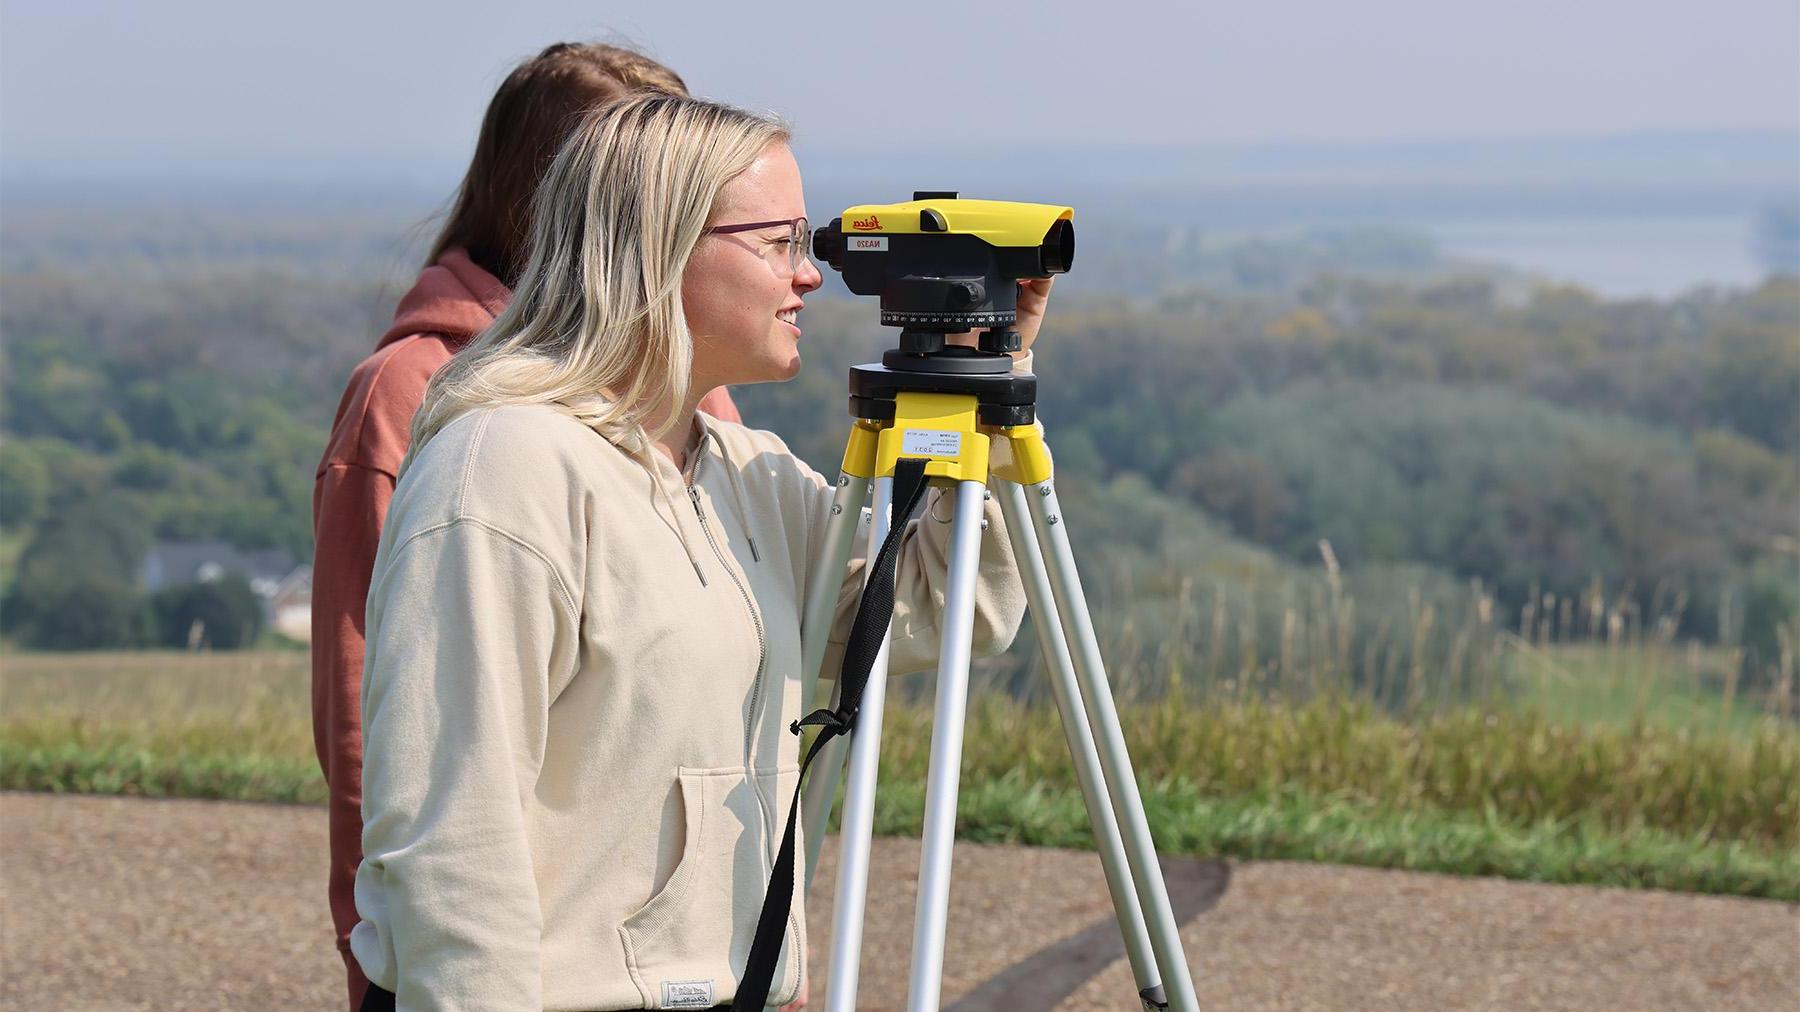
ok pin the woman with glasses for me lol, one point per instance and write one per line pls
(584, 622)
(473, 263)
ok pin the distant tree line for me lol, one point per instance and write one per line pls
(1532, 439)
(1537, 440)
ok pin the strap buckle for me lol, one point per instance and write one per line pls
(833, 722)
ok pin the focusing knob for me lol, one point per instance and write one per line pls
(1001, 339)
(921, 342)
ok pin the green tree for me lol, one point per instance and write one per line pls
(91, 535)
(24, 485)
(54, 610)
(1752, 379)
(1771, 602)
(225, 614)
(75, 588)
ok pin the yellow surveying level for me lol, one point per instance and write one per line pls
(959, 419)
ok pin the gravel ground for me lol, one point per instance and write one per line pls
(112, 903)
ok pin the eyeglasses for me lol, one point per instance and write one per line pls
(799, 237)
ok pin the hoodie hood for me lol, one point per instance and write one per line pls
(453, 297)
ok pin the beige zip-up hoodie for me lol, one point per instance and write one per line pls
(581, 669)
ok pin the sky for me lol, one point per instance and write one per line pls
(330, 89)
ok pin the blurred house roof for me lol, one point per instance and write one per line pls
(170, 563)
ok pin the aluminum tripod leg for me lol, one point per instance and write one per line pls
(859, 805)
(957, 627)
(1103, 718)
(822, 587)
(1088, 773)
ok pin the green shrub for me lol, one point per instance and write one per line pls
(224, 614)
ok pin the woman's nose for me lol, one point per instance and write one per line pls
(807, 278)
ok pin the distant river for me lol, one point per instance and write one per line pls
(1616, 257)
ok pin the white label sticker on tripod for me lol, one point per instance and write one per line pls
(868, 243)
(931, 443)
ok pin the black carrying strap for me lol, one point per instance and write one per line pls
(867, 634)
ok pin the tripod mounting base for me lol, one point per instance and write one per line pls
(1003, 398)
(959, 359)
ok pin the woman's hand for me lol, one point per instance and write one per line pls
(800, 1002)
(1034, 296)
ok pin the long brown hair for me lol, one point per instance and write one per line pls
(596, 322)
(535, 109)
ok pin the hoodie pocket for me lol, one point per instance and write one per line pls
(694, 935)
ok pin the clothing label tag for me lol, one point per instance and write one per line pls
(688, 994)
(868, 243)
(931, 443)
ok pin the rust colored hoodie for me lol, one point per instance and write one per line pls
(452, 301)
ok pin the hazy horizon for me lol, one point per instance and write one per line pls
(1678, 157)
(207, 90)
(1631, 145)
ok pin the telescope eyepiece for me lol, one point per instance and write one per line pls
(1057, 254)
(828, 244)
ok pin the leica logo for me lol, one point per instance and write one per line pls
(869, 224)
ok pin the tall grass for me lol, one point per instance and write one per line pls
(172, 711)
(159, 724)
(1516, 767)
(1413, 642)
(1325, 743)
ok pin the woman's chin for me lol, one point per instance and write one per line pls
(786, 371)
(772, 372)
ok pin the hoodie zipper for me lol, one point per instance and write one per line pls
(762, 645)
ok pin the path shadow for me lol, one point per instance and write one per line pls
(1046, 977)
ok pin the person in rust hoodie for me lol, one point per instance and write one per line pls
(465, 285)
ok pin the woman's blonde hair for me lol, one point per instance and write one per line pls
(596, 321)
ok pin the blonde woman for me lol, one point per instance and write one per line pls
(583, 627)
(479, 253)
